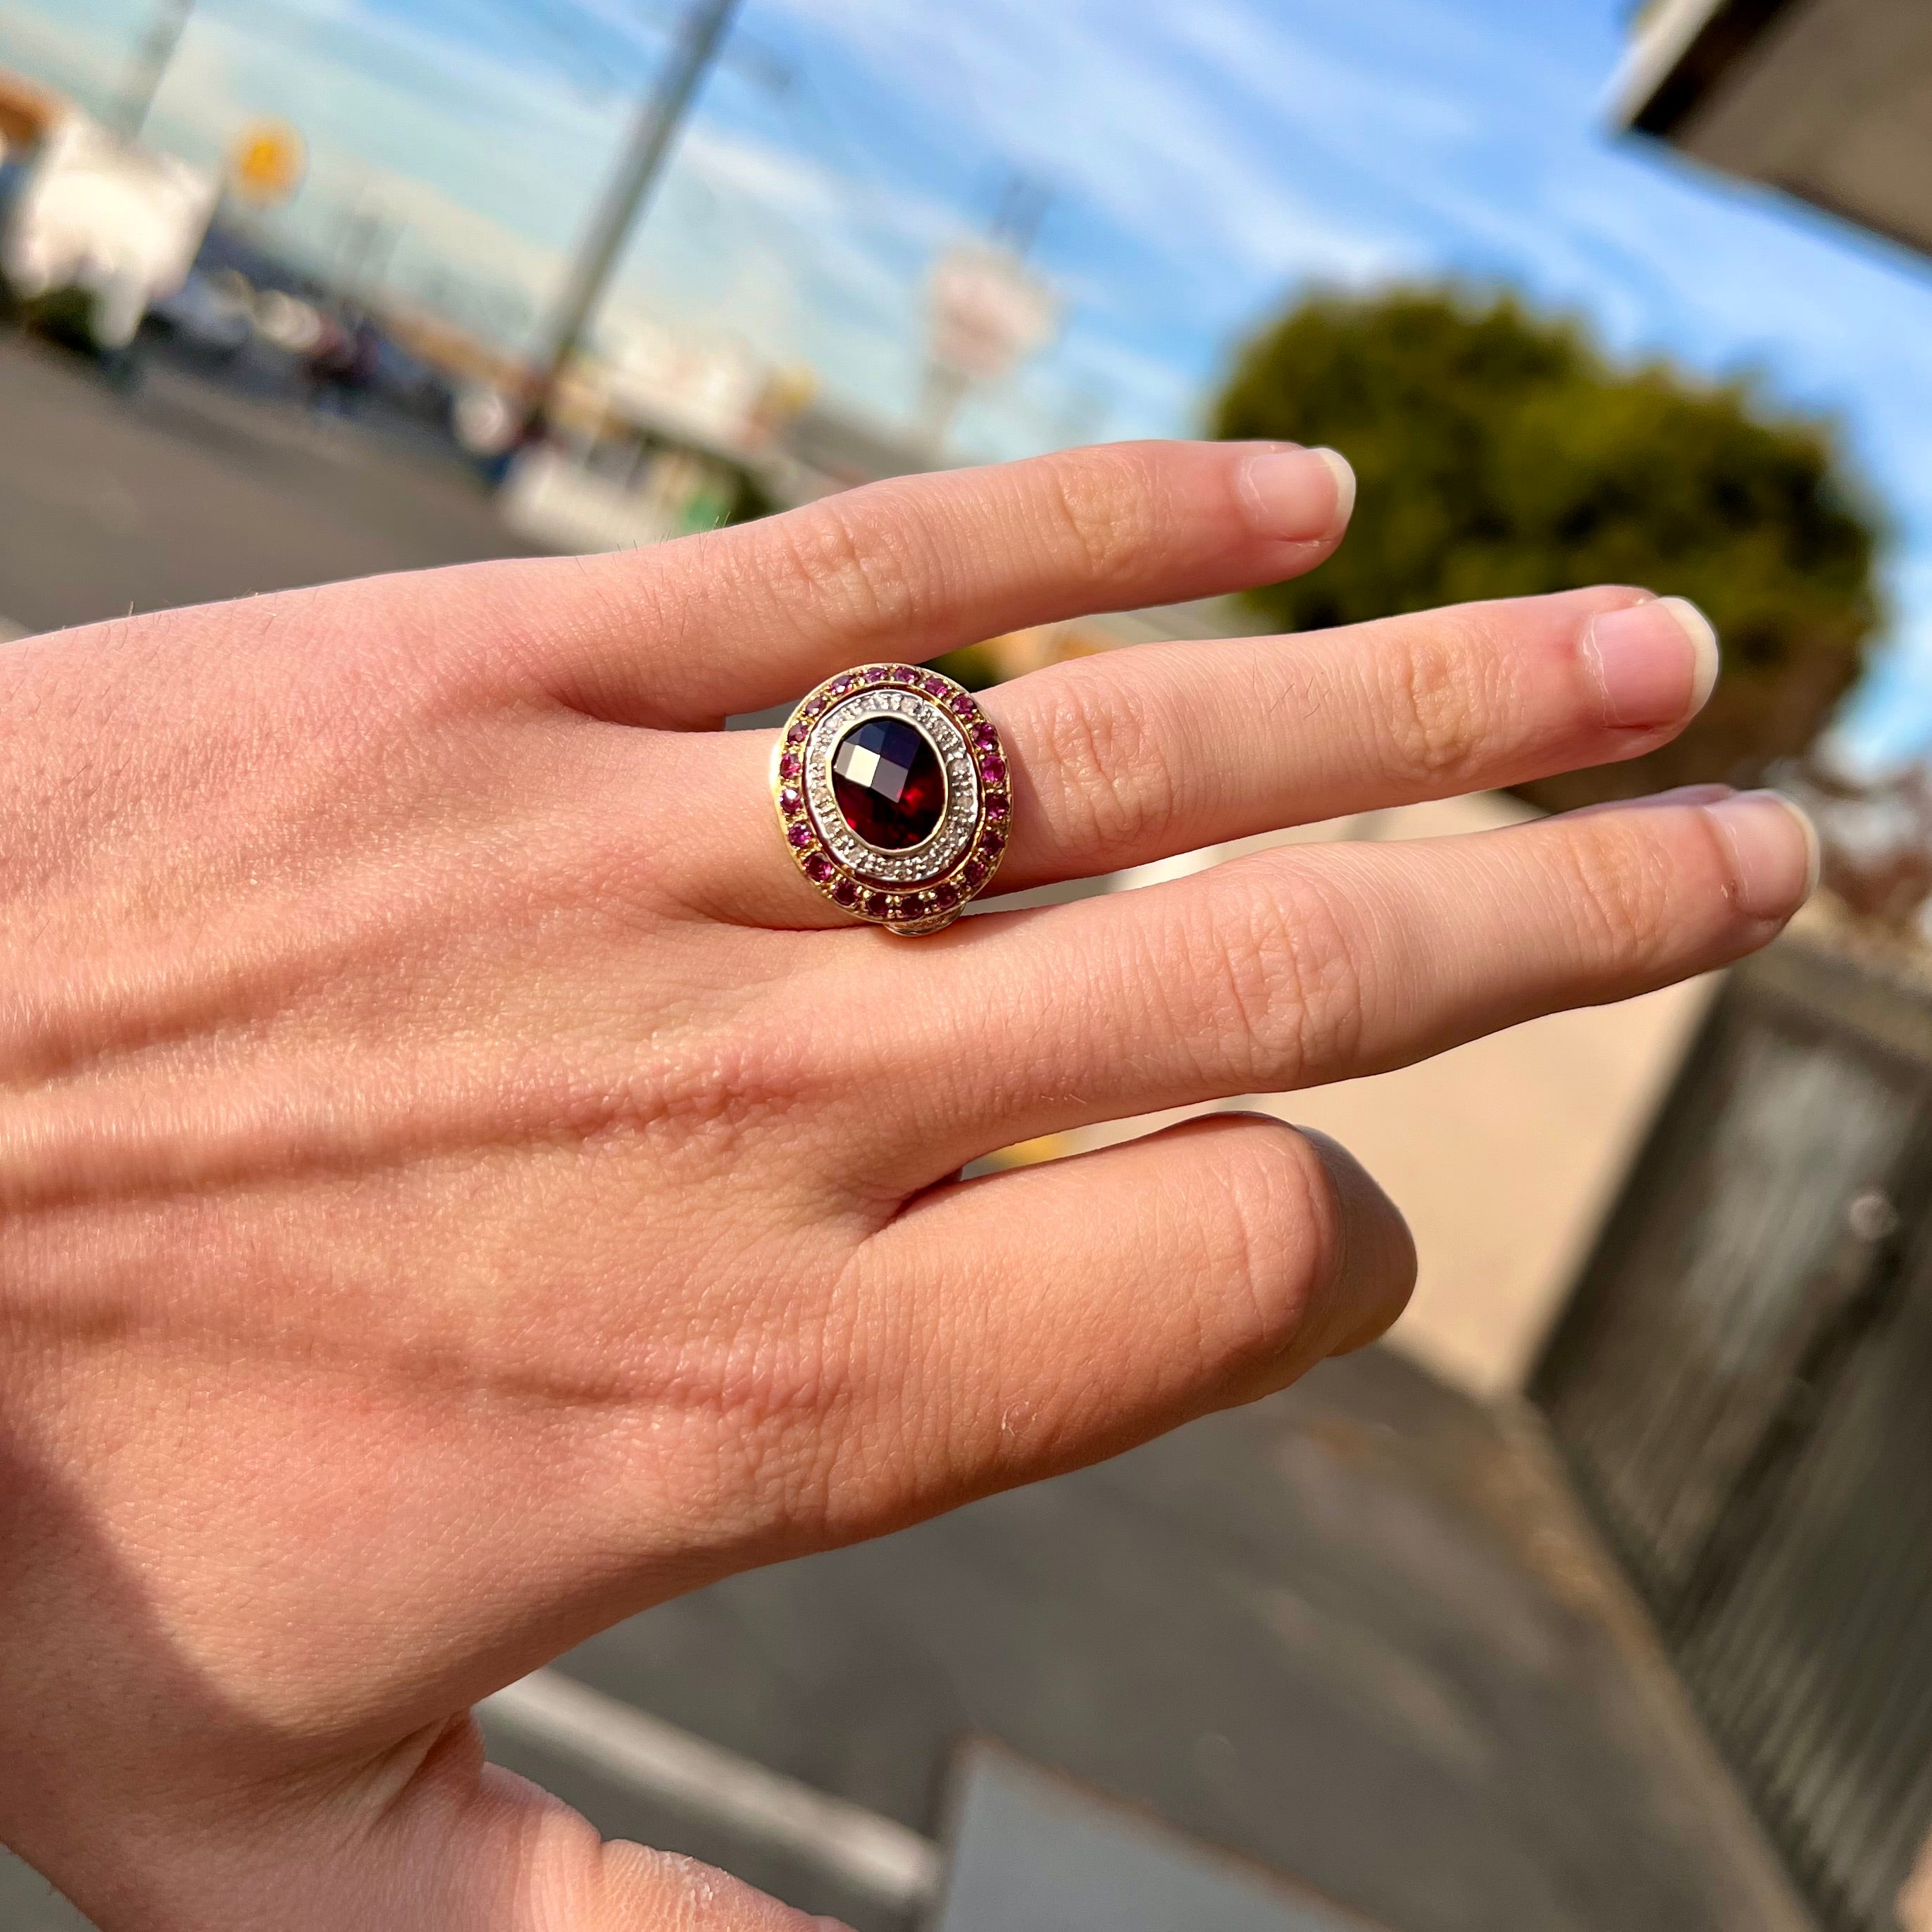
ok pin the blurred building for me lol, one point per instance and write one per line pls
(1830, 100)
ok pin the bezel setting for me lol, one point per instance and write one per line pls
(922, 888)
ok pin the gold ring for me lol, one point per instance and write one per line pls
(893, 795)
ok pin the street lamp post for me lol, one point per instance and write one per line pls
(150, 63)
(652, 135)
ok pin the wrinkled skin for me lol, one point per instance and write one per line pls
(459, 1185)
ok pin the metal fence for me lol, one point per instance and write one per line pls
(1743, 1387)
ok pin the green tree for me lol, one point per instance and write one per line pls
(1502, 453)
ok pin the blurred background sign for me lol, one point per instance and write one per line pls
(987, 313)
(267, 162)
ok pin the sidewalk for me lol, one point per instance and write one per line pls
(1357, 1633)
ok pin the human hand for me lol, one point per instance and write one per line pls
(459, 1185)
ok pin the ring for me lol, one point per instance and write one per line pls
(893, 796)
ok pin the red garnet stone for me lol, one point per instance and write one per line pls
(887, 779)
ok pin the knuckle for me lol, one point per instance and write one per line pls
(1441, 710)
(1614, 878)
(1102, 505)
(1290, 994)
(1106, 750)
(866, 577)
(1284, 1230)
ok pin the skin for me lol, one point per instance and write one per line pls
(460, 1187)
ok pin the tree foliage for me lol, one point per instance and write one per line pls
(1501, 454)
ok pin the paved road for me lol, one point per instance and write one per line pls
(1350, 1632)
(184, 494)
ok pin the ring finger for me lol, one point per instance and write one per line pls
(1123, 759)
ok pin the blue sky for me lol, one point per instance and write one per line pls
(1205, 161)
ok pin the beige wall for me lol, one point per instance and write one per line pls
(1504, 1154)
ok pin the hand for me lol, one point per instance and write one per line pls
(460, 1186)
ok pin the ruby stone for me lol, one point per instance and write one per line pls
(887, 779)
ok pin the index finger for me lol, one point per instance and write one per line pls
(743, 618)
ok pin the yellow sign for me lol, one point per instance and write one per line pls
(267, 162)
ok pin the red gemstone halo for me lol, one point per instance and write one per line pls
(893, 795)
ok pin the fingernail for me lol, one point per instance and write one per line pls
(1690, 794)
(1655, 662)
(1775, 849)
(1299, 496)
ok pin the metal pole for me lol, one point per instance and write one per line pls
(658, 123)
(151, 64)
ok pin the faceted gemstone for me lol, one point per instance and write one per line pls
(844, 891)
(819, 868)
(985, 737)
(800, 836)
(790, 766)
(874, 904)
(791, 799)
(935, 686)
(945, 897)
(992, 842)
(993, 770)
(887, 779)
(996, 808)
(975, 875)
(795, 734)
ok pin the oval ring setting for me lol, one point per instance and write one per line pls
(893, 795)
